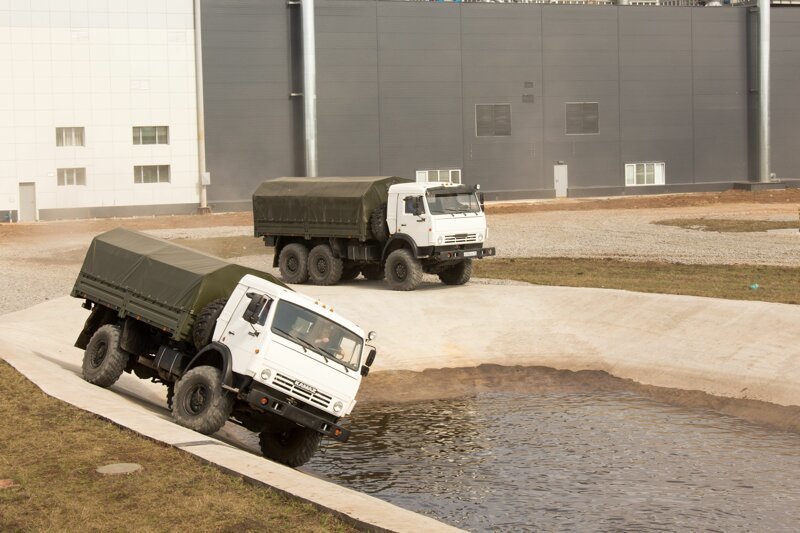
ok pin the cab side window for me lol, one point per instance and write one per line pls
(410, 202)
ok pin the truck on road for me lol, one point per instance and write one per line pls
(230, 343)
(332, 229)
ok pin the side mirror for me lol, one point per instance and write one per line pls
(254, 308)
(370, 358)
(371, 335)
(364, 371)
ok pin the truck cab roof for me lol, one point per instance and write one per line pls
(424, 187)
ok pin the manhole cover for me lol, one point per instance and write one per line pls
(119, 468)
(7, 484)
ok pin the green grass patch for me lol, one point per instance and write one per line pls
(734, 282)
(50, 451)
(724, 225)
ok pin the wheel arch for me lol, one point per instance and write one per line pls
(217, 355)
(398, 241)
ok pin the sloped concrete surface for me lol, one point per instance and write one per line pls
(727, 348)
(38, 342)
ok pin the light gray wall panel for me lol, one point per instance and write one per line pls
(250, 123)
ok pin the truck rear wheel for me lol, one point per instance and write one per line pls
(293, 447)
(403, 271)
(323, 267)
(200, 403)
(206, 321)
(293, 263)
(373, 272)
(458, 274)
(104, 360)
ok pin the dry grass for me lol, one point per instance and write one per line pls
(724, 225)
(227, 247)
(51, 450)
(734, 282)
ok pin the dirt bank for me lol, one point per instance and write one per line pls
(446, 383)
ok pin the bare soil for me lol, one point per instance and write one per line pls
(726, 225)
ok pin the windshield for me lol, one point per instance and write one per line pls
(442, 203)
(315, 332)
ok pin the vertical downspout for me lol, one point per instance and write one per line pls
(310, 86)
(763, 90)
(201, 120)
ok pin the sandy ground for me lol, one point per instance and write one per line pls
(40, 261)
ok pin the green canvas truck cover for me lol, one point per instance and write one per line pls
(156, 281)
(319, 207)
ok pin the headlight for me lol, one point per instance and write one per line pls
(480, 237)
(440, 240)
(266, 374)
(337, 407)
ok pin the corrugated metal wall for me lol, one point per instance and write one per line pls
(398, 83)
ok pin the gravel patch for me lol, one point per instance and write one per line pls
(39, 268)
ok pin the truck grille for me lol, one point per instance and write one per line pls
(313, 396)
(459, 238)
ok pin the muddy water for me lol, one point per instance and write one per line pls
(571, 461)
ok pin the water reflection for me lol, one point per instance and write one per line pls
(601, 461)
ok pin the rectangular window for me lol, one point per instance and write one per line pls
(151, 135)
(644, 174)
(583, 118)
(69, 137)
(493, 120)
(151, 174)
(71, 176)
(451, 175)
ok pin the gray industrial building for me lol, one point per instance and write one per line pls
(610, 99)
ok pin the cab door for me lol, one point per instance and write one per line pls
(243, 338)
(412, 218)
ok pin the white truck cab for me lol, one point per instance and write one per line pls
(296, 349)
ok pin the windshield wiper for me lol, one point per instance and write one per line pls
(298, 340)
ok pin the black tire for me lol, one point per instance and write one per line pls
(103, 360)
(403, 271)
(373, 272)
(293, 263)
(350, 271)
(377, 224)
(323, 267)
(206, 321)
(293, 447)
(458, 274)
(200, 403)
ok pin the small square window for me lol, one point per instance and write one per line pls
(645, 174)
(493, 120)
(151, 135)
(582, 118)
(71, 176)
(151, 174)
(70, 137)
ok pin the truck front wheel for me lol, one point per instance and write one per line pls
(200, 402)
(293, 447)
(103, 359)
(323, 267)
(403, 271)
(293, 263)
(458, 274)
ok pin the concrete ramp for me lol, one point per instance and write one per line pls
(748, 350)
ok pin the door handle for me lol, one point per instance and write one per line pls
(231, 333)
(403, 225)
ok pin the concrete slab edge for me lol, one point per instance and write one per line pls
(410, 521)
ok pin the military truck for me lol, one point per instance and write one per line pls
(331, 229)
(229, 342)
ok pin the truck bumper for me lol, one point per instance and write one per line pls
(268, 403)
(478, 253)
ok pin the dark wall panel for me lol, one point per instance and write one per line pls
(250, 121)
(719, 52)
(785, 115)
(419, 79)
(501, 63)
(656, 89)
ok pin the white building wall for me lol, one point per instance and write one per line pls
(105, 65)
